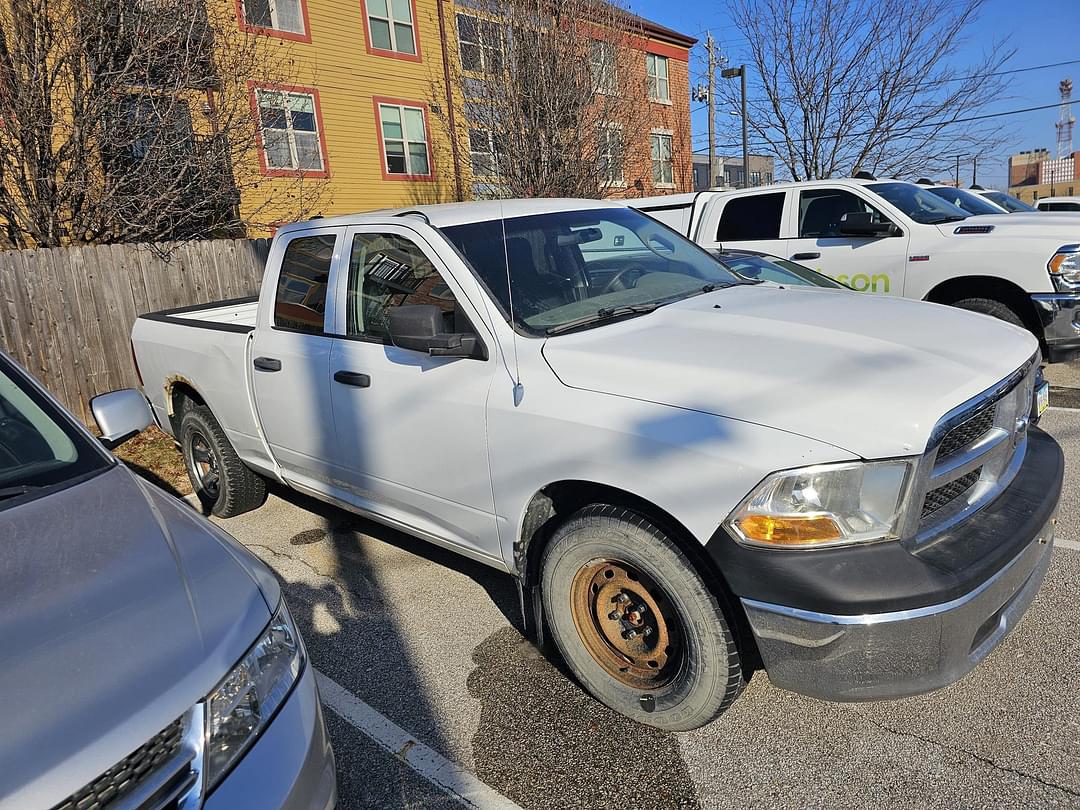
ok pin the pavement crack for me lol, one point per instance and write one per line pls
(977, 757)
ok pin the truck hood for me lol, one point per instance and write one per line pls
(122, 608)
(868, 374)
(1064, 229)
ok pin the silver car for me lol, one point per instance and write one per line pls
(148, 659)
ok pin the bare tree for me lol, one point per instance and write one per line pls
(132, 120)
(867, 84)
(554, 97)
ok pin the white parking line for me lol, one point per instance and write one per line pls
(433, 766)
(1073, 544)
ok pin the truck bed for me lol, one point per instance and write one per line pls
(235, 315)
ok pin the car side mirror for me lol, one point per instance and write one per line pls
(861, 223)
(420, 327)
(121, 415)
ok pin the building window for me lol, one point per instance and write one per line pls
(656, 71)
(404, 139)
(484, 147)
(663, 170)
(291, 140)
(610, 155)
(479, 44)
(768, 178)
(391, 25)
(602, 61)
(275, 15)
(755, 178)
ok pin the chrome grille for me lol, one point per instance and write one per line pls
(155, 776)
(966, 432)
(947, 493)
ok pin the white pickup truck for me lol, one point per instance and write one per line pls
(690, 475)
(896, 238)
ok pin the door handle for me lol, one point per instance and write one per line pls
(802, 257)
(356, 378)
(267, 364)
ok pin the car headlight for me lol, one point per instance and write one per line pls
(824, 505)
(246, 700)
(1064, 267)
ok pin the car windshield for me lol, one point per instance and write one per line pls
(39, 447)
(1008, 202)
(918, 203)
(579, 268)
(775, 269)
(961, 198)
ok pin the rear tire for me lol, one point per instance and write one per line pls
(223, 483)
(609, 571)
(993, 308)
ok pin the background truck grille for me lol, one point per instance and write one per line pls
(966, 432)
(946, 494)
(128, 773)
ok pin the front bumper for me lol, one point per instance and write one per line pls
(1059, 314)
(888, 620)
(290, 766)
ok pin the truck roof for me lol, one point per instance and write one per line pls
(447, 214)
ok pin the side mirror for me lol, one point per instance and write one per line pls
(120, 415)
(861, 223)
(419, 327)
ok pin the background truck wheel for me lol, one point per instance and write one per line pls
(222, 481)
(635, 622)
(989, 306)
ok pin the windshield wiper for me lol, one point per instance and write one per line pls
(16, 491)
(603, 314)
(949, 218)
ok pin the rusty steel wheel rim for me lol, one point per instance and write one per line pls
(627, 623)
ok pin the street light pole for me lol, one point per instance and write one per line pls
(731, 73)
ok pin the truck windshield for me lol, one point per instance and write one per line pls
(918, 203)
(968, 201)
(39, 447)
(572, 269)
(1008, 202)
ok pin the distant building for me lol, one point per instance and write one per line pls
(1034, 174)
(729, 172)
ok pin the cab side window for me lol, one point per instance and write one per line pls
(300, 303)
(387, 271)
(821, 210)
(755, 216)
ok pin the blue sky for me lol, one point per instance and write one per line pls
(1041, 31)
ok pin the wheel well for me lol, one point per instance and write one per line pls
(552, 505)
(181, 395)
(957, 289)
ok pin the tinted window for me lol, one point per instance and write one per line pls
(39, 447)
(820, 211)
(387, 271)
(918, 203)
(753, 217)
(1008, 202)
(1059, 206)
(773, 268)
(966, 200)
(301, 292)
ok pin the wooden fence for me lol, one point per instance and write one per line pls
(66, 313)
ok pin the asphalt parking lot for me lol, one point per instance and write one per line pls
(434, 699)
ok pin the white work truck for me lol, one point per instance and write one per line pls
(897, 238)
(691, 475)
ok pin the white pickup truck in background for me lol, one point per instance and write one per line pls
(690, 475)
(896, 238)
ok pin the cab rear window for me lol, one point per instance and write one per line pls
(300, 303)
(756, 216)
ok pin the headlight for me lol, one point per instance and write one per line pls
(245, 701)
(824, 505)
(1064, 267)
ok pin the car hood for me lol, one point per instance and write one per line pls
(868, 374)
(1017, 225)
(122, 608)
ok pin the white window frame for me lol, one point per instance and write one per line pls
(653, 78)
(404, 140)
(290, 133)
(605, 78)
(479, 42)
(489, 154)
(392, 22)
(613, 179)
(275, 20)
(661, 134)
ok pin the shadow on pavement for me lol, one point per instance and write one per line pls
(543, 742)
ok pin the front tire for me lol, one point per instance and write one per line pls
(993, 308)
(635, 622)
(223, 483)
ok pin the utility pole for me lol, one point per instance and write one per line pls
(709, 49)
(958, 171)
(974, 169)
(731, 73)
